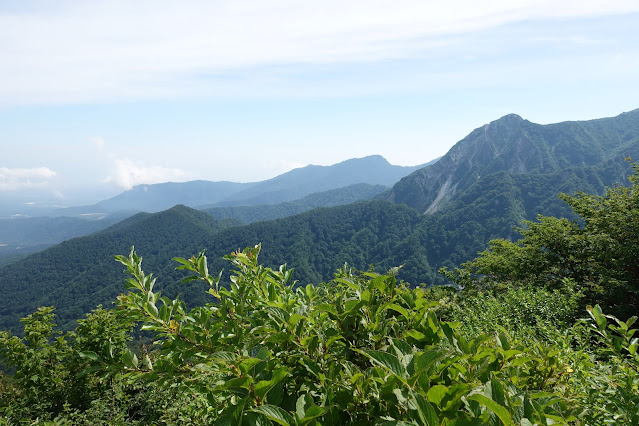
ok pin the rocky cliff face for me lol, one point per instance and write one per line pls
(517, 146)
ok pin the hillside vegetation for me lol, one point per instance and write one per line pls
(508, 348)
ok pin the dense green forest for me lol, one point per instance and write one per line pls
(526, 337)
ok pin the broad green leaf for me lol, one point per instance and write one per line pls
(313, 412)
(262, 387)
(425, 411)
(247, 364)
(294, 319)
(129, 359)
(386, 360)
(497, 392)
(300, 406)
(275, 414)
(397, 308)
(150, 307)
(90, 355)
(436, 393)
(597, 315)
(499, 410)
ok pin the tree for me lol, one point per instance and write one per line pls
(599, 252)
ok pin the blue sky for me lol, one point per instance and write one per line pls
(98, 96)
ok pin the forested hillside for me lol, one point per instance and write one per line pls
(335, 197)
(49, 278)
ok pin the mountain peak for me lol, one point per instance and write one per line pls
(511, 117)
(512, 144)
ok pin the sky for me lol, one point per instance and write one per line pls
(99, 96)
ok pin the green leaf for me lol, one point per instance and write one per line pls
(497, 392)
(499, 410)
(397, 308)
(436, 393)
(275, 413)
(90, 355)
(151, 309)
(425, 411)
(262, 387)
(129, 359)
(313, 412)
(202, 266)
(386, 360)
(300, 406)
(294, 319)
(598, 316)
(247, 364)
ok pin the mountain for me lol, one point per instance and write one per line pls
(518, 146)
(293, 185)
(23, 235)
(334, 197)
(161, 196)
(499, 175)
(297, 183)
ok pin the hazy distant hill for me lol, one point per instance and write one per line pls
(334, 197)
(161, 196)
(20, 236)
(293, 185)
(297, 183)
(497, 176)
(518, 146)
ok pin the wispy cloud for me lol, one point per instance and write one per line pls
(78, 51)
(127, 173)
(13, 179)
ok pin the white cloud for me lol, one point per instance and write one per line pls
(78, 51)
(126, 174)
(13, 179)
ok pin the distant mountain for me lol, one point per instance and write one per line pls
(78, 274)
(518, 146)
(161, 196)
(23, 235)
(293, 185)
(297, 183)
(334, 197)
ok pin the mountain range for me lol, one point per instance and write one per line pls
(440, 215)
(290, 186)
(290, 193)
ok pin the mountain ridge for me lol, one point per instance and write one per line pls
(519, 146)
